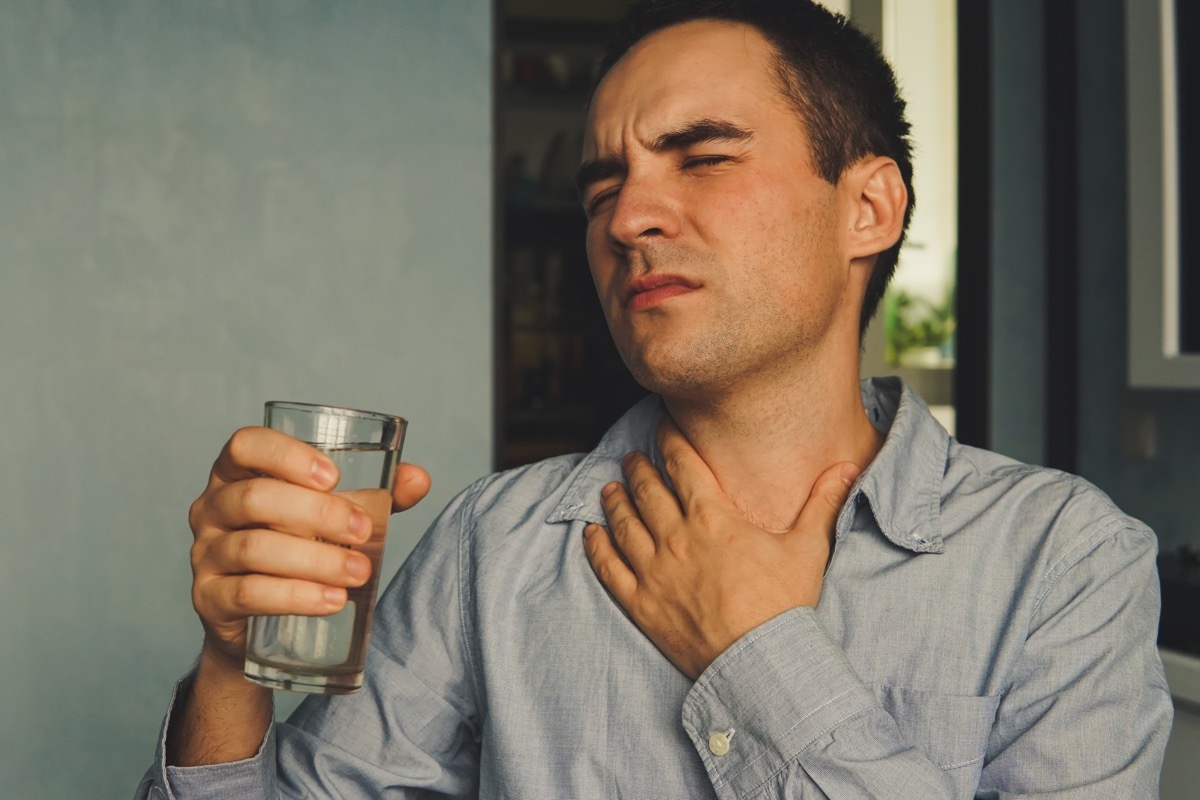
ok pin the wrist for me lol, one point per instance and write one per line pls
(219, 716)
(218, 671)
(216, 659)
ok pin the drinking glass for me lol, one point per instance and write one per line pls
(327, 655)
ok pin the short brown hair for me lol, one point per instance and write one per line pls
(834, 74)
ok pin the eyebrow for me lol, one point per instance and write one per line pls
(699, 132)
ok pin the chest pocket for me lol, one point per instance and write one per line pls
(952, 730)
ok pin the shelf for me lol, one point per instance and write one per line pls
(567, 101)
(562, 382)
(560, 226)
(556, 32)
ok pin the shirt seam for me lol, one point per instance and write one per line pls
(795, 757)
(707, 691)
(465, 586)
(937, 475)
(849, 718)
(1107, 527)
(752, 637)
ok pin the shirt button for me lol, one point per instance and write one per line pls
(718, 744)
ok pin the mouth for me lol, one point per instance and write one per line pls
(650, 290)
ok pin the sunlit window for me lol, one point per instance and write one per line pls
(913, 335)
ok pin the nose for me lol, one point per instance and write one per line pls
(645, 209)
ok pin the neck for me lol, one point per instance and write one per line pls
(768, 445)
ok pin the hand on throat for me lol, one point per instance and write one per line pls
(766, 456)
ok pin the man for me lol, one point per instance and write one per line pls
(801, 588)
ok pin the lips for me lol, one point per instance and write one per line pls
(650, 290)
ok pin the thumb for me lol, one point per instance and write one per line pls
(825, 500)
(409, 487)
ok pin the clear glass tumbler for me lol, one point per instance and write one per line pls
(327, 655)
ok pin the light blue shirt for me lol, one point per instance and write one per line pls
(985, 629)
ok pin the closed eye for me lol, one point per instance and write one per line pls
(699, 162)
(593, 206)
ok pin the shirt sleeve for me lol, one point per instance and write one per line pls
(249, 778)
(1086, 713)
(1089, 711)
(412, 730)
(782, 710)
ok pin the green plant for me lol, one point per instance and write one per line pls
(916, 323)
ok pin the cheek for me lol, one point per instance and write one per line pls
(593, 246)
(601, 263)
(788, 253)
(752, 212)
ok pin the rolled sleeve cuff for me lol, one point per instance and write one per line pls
(249, 778)
(772, 694)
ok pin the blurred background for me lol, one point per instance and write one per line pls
(205, 205)
(208, 204)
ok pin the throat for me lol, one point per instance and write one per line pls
(770, 524)
(768, 468)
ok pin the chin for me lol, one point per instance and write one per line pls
(683, 366)
(680, 378)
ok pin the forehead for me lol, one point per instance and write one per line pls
(699, 69)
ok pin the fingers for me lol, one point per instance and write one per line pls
(652, 499)
(629, 534)
(410, 487)
(248, 572)
(252, 452)
(233, 598)
(613, 572)
(270, 503)
(827, 497)
(689, 473)
(269, 552)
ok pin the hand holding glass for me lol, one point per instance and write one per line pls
(327, 655)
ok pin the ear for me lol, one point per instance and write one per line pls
(878, 197)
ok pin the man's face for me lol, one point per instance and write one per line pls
(715, 248)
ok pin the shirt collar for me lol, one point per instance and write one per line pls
(633, 431)
(902, 486)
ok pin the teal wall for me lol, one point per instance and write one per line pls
(205, 205)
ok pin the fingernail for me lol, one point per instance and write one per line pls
(850, 473)
(358, 566)
(334, 596)
(608, 490)
(360, 524)
(323, 472)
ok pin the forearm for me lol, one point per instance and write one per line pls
(222, 718)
